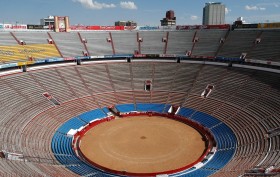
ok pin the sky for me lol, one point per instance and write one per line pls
(144, 12)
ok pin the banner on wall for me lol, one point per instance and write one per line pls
(148, 28)
(167, 28)
(7, 26)
(11, 26)
(103, 28)
(130, 27)
(191, 27)
(269, 25)
(167, 55)
(78, 27)
(19, 26)
(35, 26)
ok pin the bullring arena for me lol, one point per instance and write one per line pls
(80, 81)
(143, 145)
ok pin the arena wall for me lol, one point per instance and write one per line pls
(209, 139)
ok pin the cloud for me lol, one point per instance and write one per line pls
(128, 5)
(269, 4)
(251, 7)
(227, 10)
(194, 17)
(247, 7)
(90, 4)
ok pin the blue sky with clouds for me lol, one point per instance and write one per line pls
(145, 12)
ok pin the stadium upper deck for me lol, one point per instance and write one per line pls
(257, 46)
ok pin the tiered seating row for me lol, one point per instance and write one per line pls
(32, 37)
(69, 44)
(224, 136)
(62, 145)
(125, 108)
(74, 123)
(208, 42)
(7, 39)
(92, 115)
(161, 108)
(179, 42)
(79, 89)
(265, 50)
(234, 48)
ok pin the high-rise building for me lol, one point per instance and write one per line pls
(169, 20)
(213, 13)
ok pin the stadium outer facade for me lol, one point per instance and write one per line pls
(242, 93)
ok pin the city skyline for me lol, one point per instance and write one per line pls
(144, 12)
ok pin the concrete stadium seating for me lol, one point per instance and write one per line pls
(26, 52)
(69, 44)
(95, 114)
(125, 42)
(97, 43)
(180, 42)
(265, 50)
(145, 107)
(32, 37)
(7, 39)
(208, 43)
(237, 42)
(247, 101)
(62, 145)
(125, 108)
(152, 42)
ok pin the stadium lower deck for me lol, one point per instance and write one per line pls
(244, 100)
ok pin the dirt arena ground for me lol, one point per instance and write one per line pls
(142, 144)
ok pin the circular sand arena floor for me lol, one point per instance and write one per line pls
(142, 144)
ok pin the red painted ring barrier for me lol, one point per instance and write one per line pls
(210, 143)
